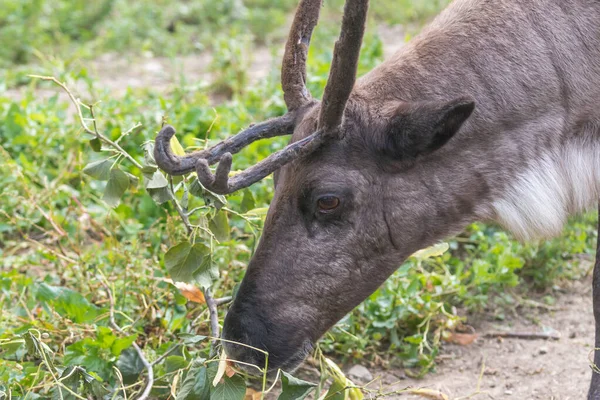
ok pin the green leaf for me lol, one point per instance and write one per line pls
(233, 388)
(70, 378)
(207, 273)
(121, 344)
(184, 259)
(130, 364)
(294, 388)
(196, 189)
(105, 337)
(185, 199)
(161, 195)
(149, 162)
(188, 338)
(148, 169)
(173, 363)
(209, 198)
(155, 181)
(96, 145)
(336, 391)
(99, 169)
(31, 343)
(96, 388)
(133, 180)
(219, 226)
(116, 187)
(68, 303)
(195, 386)
(248, 201)
(90, 354)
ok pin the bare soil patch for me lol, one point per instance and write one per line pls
(517, 368)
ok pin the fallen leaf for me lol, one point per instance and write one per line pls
(229, 371)
(252, 394)
(190, 292)
(429, 394)
(462, 339)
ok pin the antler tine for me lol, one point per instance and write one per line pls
(220, 182)
(293, 67)
(342, 74)
(180, 165)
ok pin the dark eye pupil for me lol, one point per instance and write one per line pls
(328, 203)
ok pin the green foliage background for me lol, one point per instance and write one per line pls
(62, 243)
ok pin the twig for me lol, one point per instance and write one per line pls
(86, 128)
(166, 354)
(127, 132)
(214, 320)
(524, 335)
(223, 300)
(150, 375)
(182, 214)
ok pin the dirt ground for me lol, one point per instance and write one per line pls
(517, 368)
(117, 72)
(512, 368)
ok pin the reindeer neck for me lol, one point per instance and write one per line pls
(529, 156)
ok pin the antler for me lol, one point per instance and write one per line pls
(344, 66)
(293, 79)
(293, 66)
(177, 165)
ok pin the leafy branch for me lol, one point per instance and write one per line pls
(105, 170)
(78, 104)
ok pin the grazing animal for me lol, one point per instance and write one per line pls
(492, 113)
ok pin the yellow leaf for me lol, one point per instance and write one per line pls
(174, 386)
(433, 251)
(338, 376)
(176, 146)
(355, 394)
(221, 369)
(257, 212)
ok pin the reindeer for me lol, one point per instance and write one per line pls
(492, 113)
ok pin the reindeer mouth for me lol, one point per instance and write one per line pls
(294, 362)
(290, 365)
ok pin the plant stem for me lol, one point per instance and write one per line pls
(150, 371)
(86, 128)
(214, 320)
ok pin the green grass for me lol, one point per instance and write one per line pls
(65, 252)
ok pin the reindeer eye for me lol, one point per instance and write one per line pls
(328, 203)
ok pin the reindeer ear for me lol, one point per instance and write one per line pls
(421, 128)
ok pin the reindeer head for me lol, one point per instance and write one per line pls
(348, 204)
